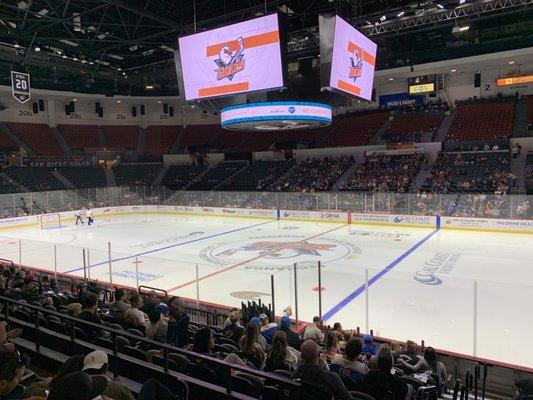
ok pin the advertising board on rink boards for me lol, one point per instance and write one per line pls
(488, 224)
(216, 211)
(395, 219)
(327, 216)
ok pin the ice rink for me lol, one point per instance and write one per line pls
(421, 281)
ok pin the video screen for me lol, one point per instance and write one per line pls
(243, 57)
(422, 84)
(353, 61)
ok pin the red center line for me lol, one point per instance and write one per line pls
(252, 259)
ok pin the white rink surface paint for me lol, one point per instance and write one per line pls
(236, 258)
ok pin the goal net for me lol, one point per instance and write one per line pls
(49, 221)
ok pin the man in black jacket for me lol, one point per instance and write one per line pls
(178, 325)
(293, 340)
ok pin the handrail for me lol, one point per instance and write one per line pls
(166, 347)
(12, 264)
(152, 288)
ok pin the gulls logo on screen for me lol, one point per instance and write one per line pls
(292, 110)
(356, 61)
(230, 62)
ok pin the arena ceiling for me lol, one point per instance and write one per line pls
(121, 46)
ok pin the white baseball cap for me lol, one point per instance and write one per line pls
(95, 360)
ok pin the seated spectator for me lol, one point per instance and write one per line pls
(203, 341)
(118, 307)
(369, 347)
(427, 363)
(382, 378)
(249, 344)
(268, 329)
(78, 386)
(134, 317)
(228, 320)
(409, 355)
(90, 314)
(312, 331)
(280, 355)
(332, 345)
(524, 388)
(310, 371)
(293, 339)
(262, 341)
(350, 363)
(234, 330)
(178, 324)
(73, 364)
(151, 302)
(157, 330)
(74, 309)
(96, 364)
(337, 329)
(11, 371)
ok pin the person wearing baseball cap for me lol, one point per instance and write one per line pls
(267, 329)
(78, 386)
(95, 364)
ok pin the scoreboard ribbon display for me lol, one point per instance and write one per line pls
(20, 86)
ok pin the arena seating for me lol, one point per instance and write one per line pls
(136, 174)
(217, 175)
(529, 111)
(177, 176)
(228, 139)
(38, 136)
(482, 120)
(159, 138)
(122, 136)
(355, 129)
(384, 173)
(80, 137)
(410, 127)
(86, 177)
(313, 175)
(258, 176)
(62, 331)
(35, 178)
(257, 141)
(470, 172)
(304, 137)
(7, 186)
(6, 143)
(199, 136)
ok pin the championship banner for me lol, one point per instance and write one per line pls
(20, 86)
(58, 162)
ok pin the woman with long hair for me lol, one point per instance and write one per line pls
(203, 341)
(249, 344)
(280, 356)
(332, 345)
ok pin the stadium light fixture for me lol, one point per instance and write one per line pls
(391, 79)
(75, 58)
(464, 28)
(149, 87)
(400, 14)
(453, 70)
(64, 56)
(440, 6)
(511, 62)
(383, 18)
(118, 101)
(37, 48)
(16, 45)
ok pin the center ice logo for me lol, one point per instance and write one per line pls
(230, 62)
(277, 250)
(282, 249)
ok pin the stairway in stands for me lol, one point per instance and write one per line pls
(376, 139)
(11, 135)
(421, 177)
(518, 168)
(440, 136)
(344, 177)
(520, 119)
(61, 178)
(61, 141)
